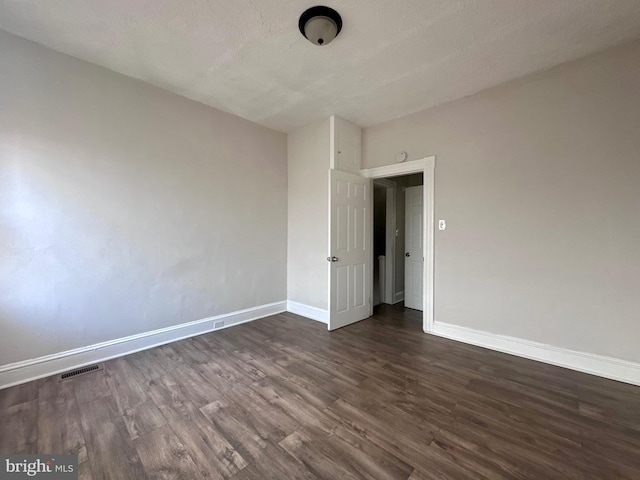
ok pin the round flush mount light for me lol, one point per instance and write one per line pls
(320, 25)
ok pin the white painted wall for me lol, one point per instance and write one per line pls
(539, 181)
(308, 228)
(125, 208)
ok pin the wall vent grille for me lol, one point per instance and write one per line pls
(80, 371)
(219, 324)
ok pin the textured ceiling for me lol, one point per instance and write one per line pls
(392, 58)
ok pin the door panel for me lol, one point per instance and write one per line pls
(342, 287)
(359, 291)
(342, 227)
(349, 249)
(413, 261)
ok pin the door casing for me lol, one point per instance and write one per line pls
(427, 167)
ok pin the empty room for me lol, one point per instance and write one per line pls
(287, 240)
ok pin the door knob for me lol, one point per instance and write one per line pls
(407, 254)
(332, 259)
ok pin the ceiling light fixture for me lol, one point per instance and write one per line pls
(320, 25)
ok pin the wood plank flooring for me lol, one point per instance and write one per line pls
(281, 398)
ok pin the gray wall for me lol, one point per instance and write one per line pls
(539, 181)
(125, 208)
(308, 227)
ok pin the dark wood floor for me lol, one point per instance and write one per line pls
(281, 398)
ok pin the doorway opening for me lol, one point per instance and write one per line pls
(388, 275)
(389, 237)
(397, 243)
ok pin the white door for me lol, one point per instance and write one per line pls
(413, 257)
(349, 248)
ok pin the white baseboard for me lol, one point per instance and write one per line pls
(27, 370)
(308, 311)
(608, 367)
(398, 297)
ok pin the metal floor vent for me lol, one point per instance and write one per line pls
(81, 371)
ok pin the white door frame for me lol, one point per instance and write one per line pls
(390, 239)
(427, 166)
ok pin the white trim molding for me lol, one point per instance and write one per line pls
(33, 369)
(308, 311)
(427, 166)
(429, 247)
(397, 169)
(608, 367)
